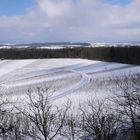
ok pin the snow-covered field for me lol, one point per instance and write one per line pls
(74, 79)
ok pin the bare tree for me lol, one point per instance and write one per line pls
(128, 102)
(71, 129)
(6, 119)
(46, 118)
(100, 122)
(6, 124)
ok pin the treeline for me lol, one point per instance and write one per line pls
(128, 54)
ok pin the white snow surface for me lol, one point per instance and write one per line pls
(7, 66)
(70, 78)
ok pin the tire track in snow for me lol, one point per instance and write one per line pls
(113, 69)
(85, 79)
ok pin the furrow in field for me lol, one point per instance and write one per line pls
(12, 65)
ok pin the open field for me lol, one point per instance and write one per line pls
(75, 99)
(74, 79)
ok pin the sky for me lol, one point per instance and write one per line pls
(69, 20)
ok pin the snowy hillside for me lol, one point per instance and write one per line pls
(68, 78)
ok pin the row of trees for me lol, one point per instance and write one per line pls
(117, 118)
(115, 54)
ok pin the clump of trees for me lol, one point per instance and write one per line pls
(127, 54)
(117, 118)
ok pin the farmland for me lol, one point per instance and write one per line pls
(76, 79)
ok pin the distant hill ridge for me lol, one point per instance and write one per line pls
(45, 44)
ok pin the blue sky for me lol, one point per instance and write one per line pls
(69, 20)
(120, 2)
(15, 7)
(20, 7)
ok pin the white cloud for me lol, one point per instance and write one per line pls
(74, 20)
(54, 9)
